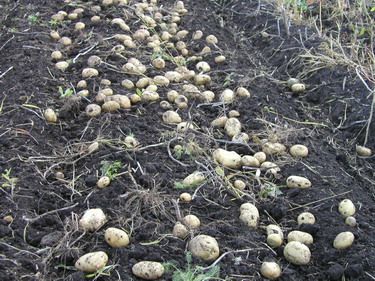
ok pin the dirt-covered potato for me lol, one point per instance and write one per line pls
(230, 159)
(204, 247)
(57, 55)
(363, 151)
(122, 100)
(194, 179)
(142, 82)
(300, 236)
(297, 253)
(261, 156)
(306, 217)
(93, 110)
(249, 207)
(89, 72)
(298, 88)
(351, 221)
(93, 147)
(92, 220)
(202, 79)
(148, 270)
(274, 229)
(103, 182)
(150, 96)
(242, 92)
(220, 59)
(270, 270)
(239, 184)
(173, 76)
(180, 231)
(184, 126)
(161, 80)
(298, 182)
(116, 238)
(274, 240)
(227, 96)
(106, 91)
(299, 150)
(50, 115)
(62, 65)
(128, 84)
(241, 137)
(211, 39)
(185, 197)
(158, 63)
(273, 148)
(347, 208)
(249, 161)
(250, 219)
(292, 81)
(233, 127)
(203, 66)
(192, 221)
(171, 116)
(91, 262)
(219, 122)
(270, 167)
(131, 142)
(111, 105)
(343, 240)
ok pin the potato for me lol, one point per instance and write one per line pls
(274, 229)
(66, 41)
(292, 81)
(192, 221)
(232, 127)
(91, 262)
(152, 88)
(220, 59)
(62, 65)
(171, 116)
(249, 218)
(94, 61)
(298, 88)
(306, 217)
(116, 238)
(242, 92)
(79, 26)
(299, 150)
(95, 19)
(93, 147)
(351, 221)
(202, 79)
(59, 175)
(83, 93)
(249, 161)
(271, 167)
(204, 247)
(150, 96)
(270, 270)
(82, 84)
(297, 253)
(57, 55)
(158, 63)
(300, 236)
(274, 240)
(260, 156)
(93, 110)
(297, 182)
(109, 106)
(203, 66)
(131, 142)
(105, 82)
(219, 122)
(180, 231)
(103, 182)
(211, 39)
(273, 148)
(173, 76)
(8, 219)
(142, 83)
(106, 91)
(241, 137)
(122, 100)
(89, 72)
(128, 84)
(180, 99)
(197, 35)
(92, 220)
(194, 179)
(148, 270)
(347, 208)
(185, 197)
(161, 80)
(363, 151)
(343, 240)
(54, 35)
(227, 96)
(184, 126)
(249, 207)
(134, 98)
(229, 159)
(50, 115)
(239, 184)
(172, 95)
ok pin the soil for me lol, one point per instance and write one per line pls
(43, 241)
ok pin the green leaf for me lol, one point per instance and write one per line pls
(219, 171)
(372, 9)
(138, 91)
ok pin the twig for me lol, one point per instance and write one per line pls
(320, 200)
(49, 213)
(7, 42)
(85, 52)
(20, 250)
(6, 71)
(171, 156)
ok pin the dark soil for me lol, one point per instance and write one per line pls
(43, 242)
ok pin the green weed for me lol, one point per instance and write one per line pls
(34, 18)
(65, 94)
(109, 168)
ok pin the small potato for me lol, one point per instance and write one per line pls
(197, 35)
(297, 253)
(227, 96)
(50, 115)
(172, 95)
(161, 80)
(173, 76)
(103, 182)
(306, 217)
(274, 229)
(185, 197)
(203, 66)
(142, 82)
(150, 96)
(158, 63)
(192, 221)
(171, 116)
(184, 126)
(93, 147)
(274, 240)
(131, 142)
(93, 110)
(57, 55)
(243, 92)
(194, 179)
(347, 208)
(233, 113)
(239, 184)
(134, 98)
(91, 262)
(249, 207)
(106, 91)
(202, 79)
(82, 84)
(261, 156)
(116, 238)
(8, 219)
(65, 41)
(204, 247)
(128, 84)
(62, 65)
(249, 161)
(298, 182)
(270, 270)
(229, 159)
(80, 26)
(148, 270)
(109, 106)
(94, 61)
(220, 59)
(241, 137)
(233, 127)
(219, 122)
(250, 219)
(180, 231)
(122, 100)
(211, 39)
(270, 167)
(89, 72)
(292, 81)
(299, 150)
(363, 151)
(273, 148)
(300, 236)
(343, 240)
(351, 221)
(92, 220)
(298, 88)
